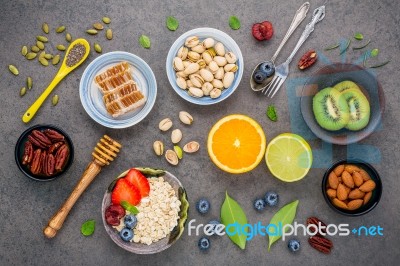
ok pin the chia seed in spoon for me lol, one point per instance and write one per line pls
(75, 54)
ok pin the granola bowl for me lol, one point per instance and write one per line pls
(159, 218)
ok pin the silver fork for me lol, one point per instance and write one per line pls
(282, 71)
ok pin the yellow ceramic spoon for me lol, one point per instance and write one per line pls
(68, 64)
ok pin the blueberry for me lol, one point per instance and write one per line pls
(294, 245)
(259, 204)
(204, 243)
(259, 76)
(271, 198)
(203, 206)
(267, 68)
(130, 221)
(126, 234)
(214, 223)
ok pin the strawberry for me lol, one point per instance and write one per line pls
(136, 178)
(262, 31)
(125, 191)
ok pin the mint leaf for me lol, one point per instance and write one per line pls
(145, 41)
(129, 207)
(172, 23)
(87, 227)
(271, 113)
(234, 23)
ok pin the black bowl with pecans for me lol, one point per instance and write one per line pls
(44, 152)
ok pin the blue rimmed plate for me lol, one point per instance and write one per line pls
(92, 98)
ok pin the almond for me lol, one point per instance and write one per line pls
(340, 204)
(356, 194)
(333, 180)
(354, 204)
(364, 175)
(342, 192)
(368, 186)
(339, 169)
(357, 178)
(331, 193)
(347, 179)
(351, 168)
(367, 197)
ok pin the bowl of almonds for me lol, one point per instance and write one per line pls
(352, 187)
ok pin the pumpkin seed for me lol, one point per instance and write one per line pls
(22, 91)
(42, 38)
(13, 69)
(48, 56)
(29, 83)
(35, 49)
(60, 29)
(109, 34)
(24, 50)
(106, 20)
(61, 47)
(56, 59)
(68, 37)
(91, 31)
(41, 55)
(45, 28)
(54, 101)
(40, 45)
(30, 56)
(43, 61)
(97, 48)
(98, 26)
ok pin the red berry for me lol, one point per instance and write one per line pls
(125, 191)
(113, 214)
(262, 31)
(136, 178)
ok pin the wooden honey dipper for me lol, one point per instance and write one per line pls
(104, 152)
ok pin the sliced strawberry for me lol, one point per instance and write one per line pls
(125, 191)
(136, 178)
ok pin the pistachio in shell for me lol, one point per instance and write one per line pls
(176, 135)
(158, 147)
(165, 124)
(191, 147)
(185, 118)
(171, 157)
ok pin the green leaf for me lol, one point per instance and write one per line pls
(358, 36)
(271, 113)
(234, 23)
(87, 227)
(145, 41)
(129, 207)
(284, 216)
(334, 46)
(232, 213)
(381, 64)
(374, 52)
(172, 23)
(346, 47)
(151, 172)
(183, 215)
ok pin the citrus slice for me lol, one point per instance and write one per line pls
(236, 143)
(289, 157)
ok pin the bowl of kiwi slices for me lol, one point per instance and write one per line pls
(342, 103)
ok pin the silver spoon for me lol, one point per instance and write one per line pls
(300, 15)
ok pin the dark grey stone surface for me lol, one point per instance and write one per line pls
(26, 205)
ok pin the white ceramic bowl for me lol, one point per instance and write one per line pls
(202, 33)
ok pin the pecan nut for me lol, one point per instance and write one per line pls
(39, 139)
(55, 146)
(61, 157)
(307, 60)
(53, 135)
(36, 165)
(48, 165)
(321, 244)
(321, 226)
(28, 153)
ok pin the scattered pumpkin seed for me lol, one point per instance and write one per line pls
(346, 47)
(374, 52)
(363, 46)
(106, 20)
(60, 29)
(61, 47)
(42, 38)
(48, 56)
(24, 50)
(332, 47)
(13, 69)
(68, 37)
(98, 26)
(41, 55)
(30, 56)
(22, 91)
(54, 101)
(91, 31)
(97, 48)
(44, 61)
(29, 83)
(35, 49)
(358, 36)
(45, 28)
(109, 34)
(380, 65)
(40, 45)
(56, 59)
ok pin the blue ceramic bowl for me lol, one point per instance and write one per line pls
(92, 98)
(203, 33)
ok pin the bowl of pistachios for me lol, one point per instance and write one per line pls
(204, 66)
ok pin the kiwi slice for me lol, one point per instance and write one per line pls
(331, 109)
(358, 107)
(345, 85)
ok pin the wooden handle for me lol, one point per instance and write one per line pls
(58, 219)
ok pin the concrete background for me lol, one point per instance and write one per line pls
(26, 205)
